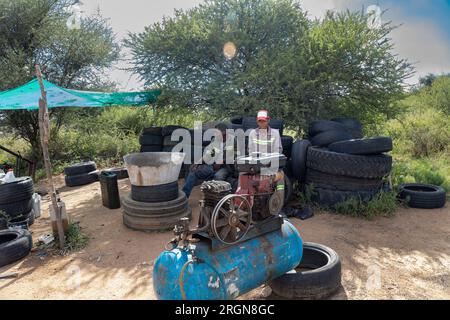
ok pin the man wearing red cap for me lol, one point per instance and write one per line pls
(264, 139)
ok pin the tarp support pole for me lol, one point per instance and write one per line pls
(44, 129)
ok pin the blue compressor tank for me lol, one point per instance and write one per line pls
(198, 273)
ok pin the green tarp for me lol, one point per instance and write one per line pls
(27, 97)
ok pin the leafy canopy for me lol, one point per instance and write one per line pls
(298, 68)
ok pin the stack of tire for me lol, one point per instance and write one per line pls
(322, 133)
(155, 208)
(151, 140)
(81, 174)
(348, 169)
(16, 202)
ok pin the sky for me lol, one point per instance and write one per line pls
(423, 36)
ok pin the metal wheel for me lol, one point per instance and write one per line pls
(231, 219)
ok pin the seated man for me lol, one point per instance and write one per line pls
(215, 166)
(267, 140)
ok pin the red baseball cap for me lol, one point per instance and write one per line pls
(263, 115)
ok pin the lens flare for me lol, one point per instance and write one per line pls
(229, 50)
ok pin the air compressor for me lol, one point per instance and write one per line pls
(241, 241)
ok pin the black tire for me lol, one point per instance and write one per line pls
(288, 189)
(366, 146)
(321, 126)
(167, 141)
(341, 183)
(22, 222)
(288, 169)
(121, 173)
(150, 140)
(80, 168)
(423, 196)
(251, 123)
(14, 245)
(321, 279)
(324, 139)
(168, 130)
(158, 208)
(159, 193)
(151, 148)
(330, 198)
(349, 123)
(299, 157)
(16, 209)
(237, 120)
(370, 167)
(353, 126)
(152, 224)
(287, 143)
(19, 190)
(157, 131)
(237, 126)
(82, 179)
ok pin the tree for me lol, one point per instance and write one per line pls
(438, 94)
(35, 32)
(298, 68)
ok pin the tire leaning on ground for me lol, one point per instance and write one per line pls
(80, 168)
(299, 155)
(341, 183)
(357, 166)
(423, 196)
(159, 193)
(317, 277)
(19, 190)
(324, 139)
(82, 179)
(365, 146)
(14, 245)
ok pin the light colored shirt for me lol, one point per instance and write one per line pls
(265, 143)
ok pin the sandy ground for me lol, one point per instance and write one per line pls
(405, 257)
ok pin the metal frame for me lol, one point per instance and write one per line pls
(19, 159)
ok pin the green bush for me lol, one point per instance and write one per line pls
(434, 171)
(383, 204)
(421, 133)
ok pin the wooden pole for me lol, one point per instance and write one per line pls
(44, 130)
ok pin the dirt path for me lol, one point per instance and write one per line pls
(405, 257)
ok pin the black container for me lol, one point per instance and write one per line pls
(110, 190)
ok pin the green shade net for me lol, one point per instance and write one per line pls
(27, 97)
